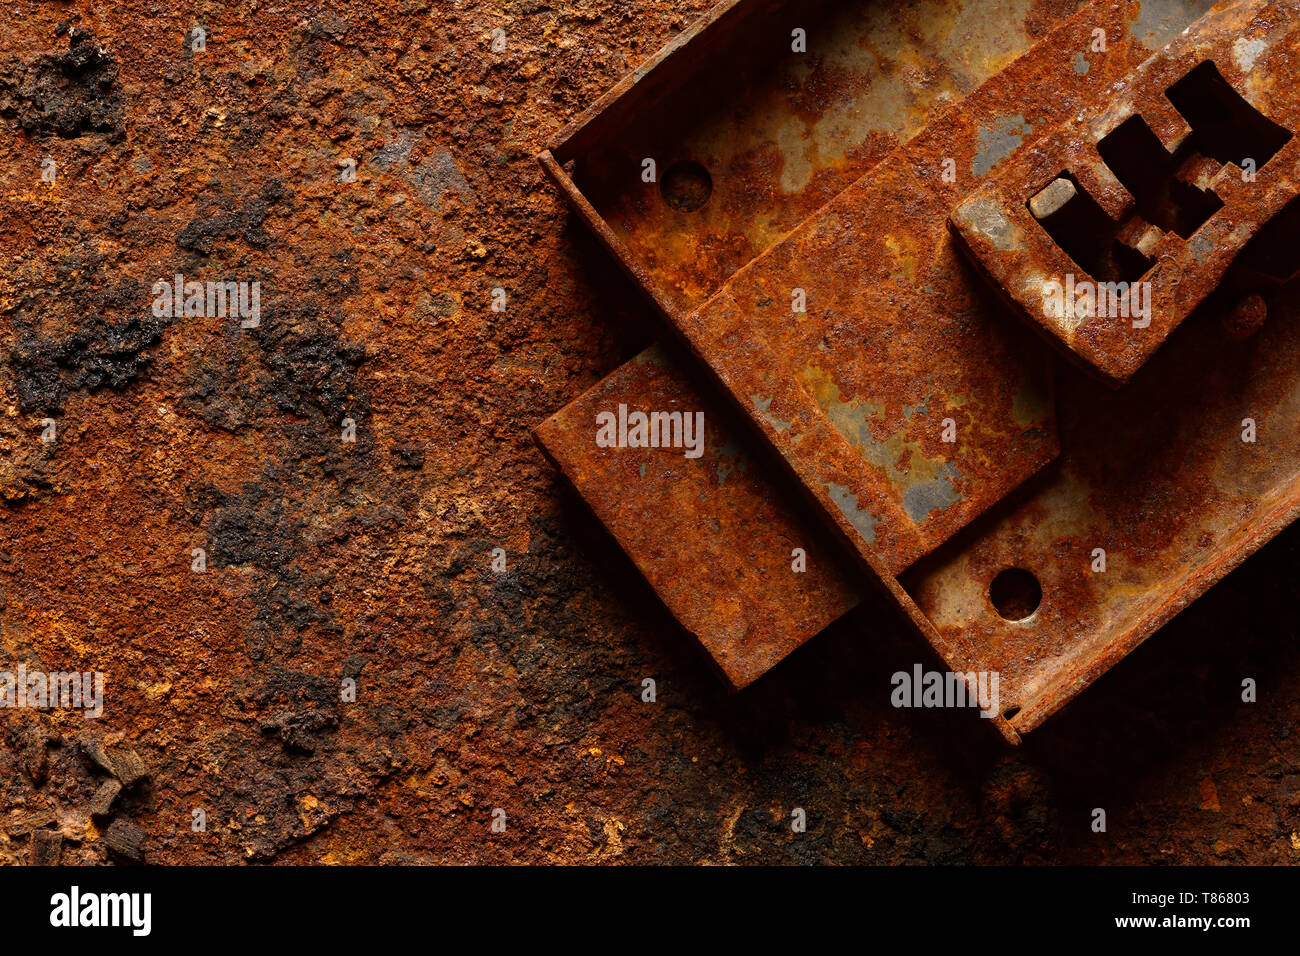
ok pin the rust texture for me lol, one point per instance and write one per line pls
(1164, 184)
(372, 560)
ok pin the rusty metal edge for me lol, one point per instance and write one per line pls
(1066, 687)
(677, 45)
(603, 232)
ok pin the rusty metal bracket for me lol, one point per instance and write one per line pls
(671, 253)
(1120, 222)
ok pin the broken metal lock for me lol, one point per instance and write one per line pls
(1058, 531)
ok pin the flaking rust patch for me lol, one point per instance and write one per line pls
(764, 406)
(1246, 50)
(998, 141)
(985, 217)
(861, 519)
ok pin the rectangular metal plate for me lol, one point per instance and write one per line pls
(900, 395)
(714, 535)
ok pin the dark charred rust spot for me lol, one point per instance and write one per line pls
(69, 94)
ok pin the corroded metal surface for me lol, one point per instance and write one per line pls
(1158, 477)
(477, 690)
(1156, 190)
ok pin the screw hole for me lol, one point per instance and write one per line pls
(686, 186)
(1011, 712)
(1015, 594)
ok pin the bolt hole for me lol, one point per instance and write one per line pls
(1015, 594)
(1011, 712)
(686, 186)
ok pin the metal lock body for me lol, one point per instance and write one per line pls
(987, 542)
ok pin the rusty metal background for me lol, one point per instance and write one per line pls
(479, 690)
